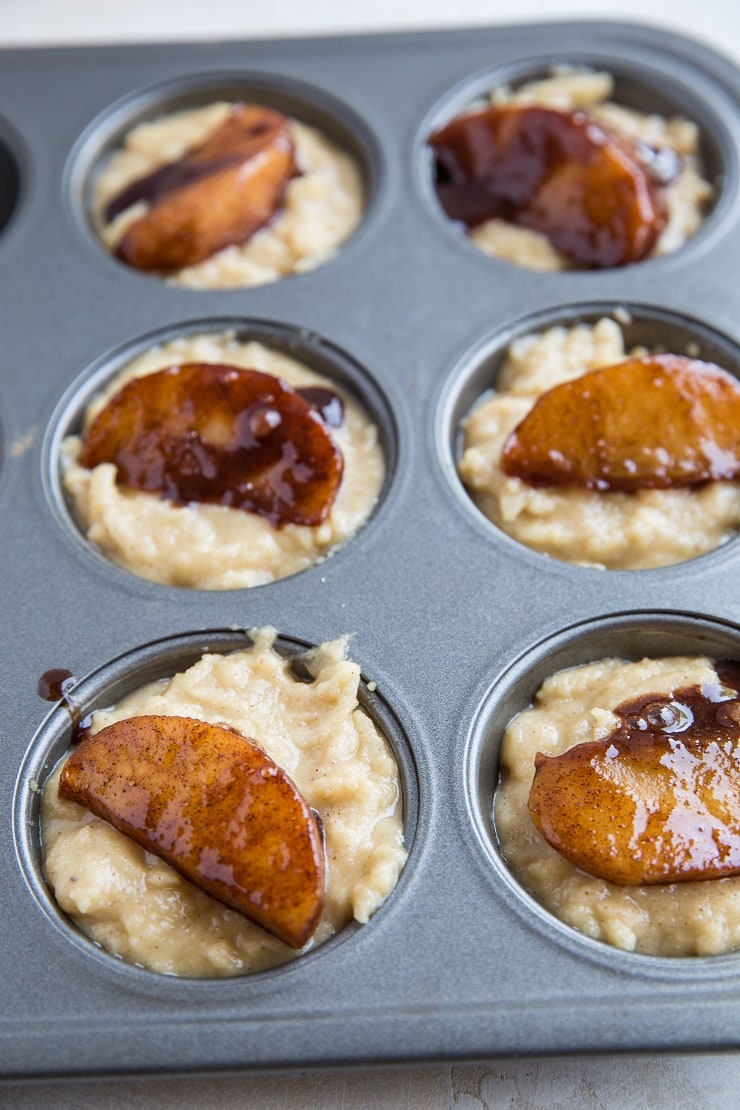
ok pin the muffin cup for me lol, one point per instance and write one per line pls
(628, 636)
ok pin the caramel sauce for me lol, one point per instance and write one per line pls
(166, 179)
(327, 403)
(663, 163)
(658, 800)
(214, 434)
(710, 712)
(57, 684)
(559, 173)
(219, 152)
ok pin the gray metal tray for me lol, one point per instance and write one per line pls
(454, 622)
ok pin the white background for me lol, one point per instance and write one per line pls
(25, 22)
(594, 1082)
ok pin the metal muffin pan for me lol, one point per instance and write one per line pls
(454, 623)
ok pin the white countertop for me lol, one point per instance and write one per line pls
(30, 22)
(605, 1082)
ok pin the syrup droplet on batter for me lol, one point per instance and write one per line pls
(657, 800)
(561, 174)
(328, 404)
(663, 163)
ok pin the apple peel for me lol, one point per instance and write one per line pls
(218, 194)
(215, 807)
(216, 434)
(561, 174)
(658, 799)
(656, 422)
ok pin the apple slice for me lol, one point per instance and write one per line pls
(656, 801)
(647, 423)
(219, 193)
(209, 433)
(213, 805)
(559, 173)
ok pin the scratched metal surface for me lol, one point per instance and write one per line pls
(453, 622)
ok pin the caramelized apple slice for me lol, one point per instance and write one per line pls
(656, 801)
(214, 806)
(647, 423)
(219, 193)
(559, 173)
(217, 434)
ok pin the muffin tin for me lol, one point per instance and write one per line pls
(454, 624)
